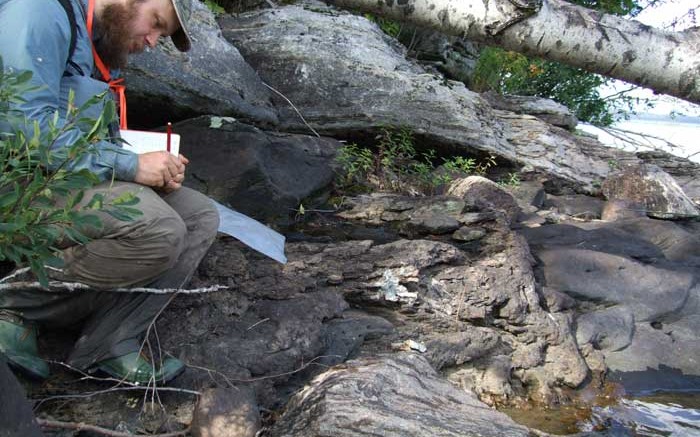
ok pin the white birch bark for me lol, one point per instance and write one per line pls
(667, 62)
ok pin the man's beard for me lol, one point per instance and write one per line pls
(112, 32)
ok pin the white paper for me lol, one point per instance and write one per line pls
(140, 141)
(252, 233)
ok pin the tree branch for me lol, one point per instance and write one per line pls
(62, 287)
(79, 426)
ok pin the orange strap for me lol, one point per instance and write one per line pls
(117, 86)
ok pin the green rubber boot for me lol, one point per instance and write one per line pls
(18, 343)
(135, 368)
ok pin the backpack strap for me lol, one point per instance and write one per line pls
(68, 7)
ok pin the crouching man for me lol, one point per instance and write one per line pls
(80, 45)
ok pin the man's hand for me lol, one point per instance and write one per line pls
(161, 170)
(176, 183)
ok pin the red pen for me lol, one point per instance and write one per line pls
(169, 133)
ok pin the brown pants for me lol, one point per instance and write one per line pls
(160, 249)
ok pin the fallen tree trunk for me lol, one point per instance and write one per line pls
(667, 62)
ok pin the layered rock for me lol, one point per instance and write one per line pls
(362, 81)
(394, 396)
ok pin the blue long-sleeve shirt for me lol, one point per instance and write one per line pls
(35, 35)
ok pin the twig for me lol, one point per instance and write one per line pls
(295, 108)
(145, 342)
(257, 323)
(154, 392)
(290, 372)
(638, 139)
(619, 93)
(114, 390)
(15, 273)
(316, 210)
(62, 287)
(88, 377)
(212, 371)
(78, 426)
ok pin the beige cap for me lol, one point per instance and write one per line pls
(181, 38)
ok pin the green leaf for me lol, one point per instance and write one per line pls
(124, 214)
(8, 199)
(40, 197)
(10, 227)
(37, 267)
(97, 201)
(127, 198)
(76, 236)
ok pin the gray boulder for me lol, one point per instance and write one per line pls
(676, 242)
(683, 170)
(576, 205)
(607, 329)
(620, 209)
(391, 396)
(637, 299)
(361, 81)
(650, 292)
(226, 412)
(262, 174)
(484, 193)
(607, 239)
(529, 195)
(652, 187)
(661, 356)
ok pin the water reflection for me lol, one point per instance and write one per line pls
(663, 414)
(675, 414)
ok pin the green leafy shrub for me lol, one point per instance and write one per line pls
(512, 73)
(390, 27)
(397, 166)
(215, 7)
(41, 208)
(510, 180)
(356, 162)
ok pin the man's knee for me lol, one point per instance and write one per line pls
(166, 240)
(199, 213)
(157, 237)
(209, 221)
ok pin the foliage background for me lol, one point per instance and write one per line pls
(508, 72)
(41, 209)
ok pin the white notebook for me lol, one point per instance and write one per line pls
(140, 141)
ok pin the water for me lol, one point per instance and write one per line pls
(674, 414)
(682, 131)
(662, 414)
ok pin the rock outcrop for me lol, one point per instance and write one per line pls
(649, 186)
(636, 290)
(362, 81)
(240, 165)
(396, 315)
(394, 396)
